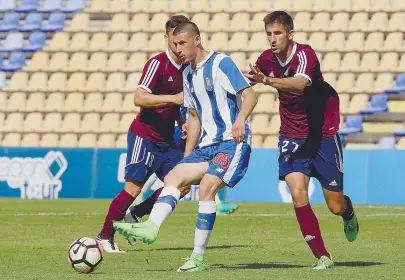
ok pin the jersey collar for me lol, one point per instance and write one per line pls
(201, 64)
(282, 64)
(178, 66)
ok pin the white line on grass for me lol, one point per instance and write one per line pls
(191, 214)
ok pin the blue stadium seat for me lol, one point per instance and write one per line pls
(11, 21)
(400, 132)
(56, 21)
(51, 6)
(13, 41)
(399, 84)
(32, 22)
(7, 5)
(36, 41)
(74, 6)
(1, 60)
(2, 80)
(386, 143)
(28, 6)
(353, 124)
(16, 61)
(378, 104)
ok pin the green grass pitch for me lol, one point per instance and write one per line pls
(260, 241)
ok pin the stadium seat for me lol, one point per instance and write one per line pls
(353, 124)
(260, 123)
(381, 128)
(93, 102)
(350, 62)
(399, 85)
(71, 123)
(99, 6)
(369, 62)
(121, 141)
(396, 21)
(78, 62)
(219, 22)
(50, 6)
(383, 81)
(33, 21)
(320, 22)
(74, 102)
(282, 5)
(19, 81)
(179, 6)
(112, 102)
(363, 82)
(257, 23)
(374, 42)
(132, 82)
(361, 146)
(56, 22)
(7, 5)
(219, 6)
(339, 22)
(10, 22)
(118, 42)
(32, 122)
(237, 6)
(90, 123)
(27, 6)
(3, 80)
(49, 140)
(159, 6)
(115, 81)
(239, 22)
(128, 103)
(139, 22)
(396, 106)
(386, 143)
(13, 41)
(36, 41)
(13, 122)
(119, 23)
(12, 140)
(97, 62)
(80, 22)
(125, 122)
(138, 42)
(52, 122)
(394, 42)
(68, 140)
(106, 141)
(30, 140)
(358, 102)
(345, 83)
(60, 41)
(257, 141)
(118, 6)
(157, 42)
(331, 62)
(302, 21)
(240, 59)
(1, 60)
(358, 22)
(378, 21)
(80, 42)
(3, 106)
(109, 122)
(16, 102)
(55, 102)
(238, 42)
(35, 102)
(135, 63)
(95, 82)
(401, 143)
(155, 24)
(139, 6)
(57, 82)
(388, 62)
(74, 6)
(354, 42)
(87, 140)
(400, 132)
(378, 104)
(76, 82)
(265, 103)
(318, 40)
(335, 42)
(16, 61)
(98, 42)
(344, 103)
(117, 62)
(361, 6)
(270, 142)
(2, 117)
(58, 62)
(258, 42)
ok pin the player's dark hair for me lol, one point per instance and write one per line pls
(280, 17)
(189, 27)
(175, 21)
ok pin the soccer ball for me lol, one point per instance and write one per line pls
(85, 255)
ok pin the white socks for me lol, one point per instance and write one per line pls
(205, 223)
(165, 205)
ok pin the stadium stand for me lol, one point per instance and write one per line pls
(81, 61)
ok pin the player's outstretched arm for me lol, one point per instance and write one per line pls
(193, 131)
(248, 104)
(142, 98)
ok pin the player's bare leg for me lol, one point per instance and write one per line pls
(309, 225)
(341, 205)
(116, 212)
(209, 187)
(182, 175)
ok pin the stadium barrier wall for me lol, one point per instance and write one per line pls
(371, 176)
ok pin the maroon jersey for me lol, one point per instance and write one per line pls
(313, 112)
(161, 75)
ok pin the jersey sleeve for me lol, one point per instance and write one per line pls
(150, 75)
(307, 64)
(188, 101)
(232, 79)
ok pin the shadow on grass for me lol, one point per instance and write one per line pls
(358, 263)
(190, 248)
(255, 266)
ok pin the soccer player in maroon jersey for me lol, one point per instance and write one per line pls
(150, 145)
(308, 142)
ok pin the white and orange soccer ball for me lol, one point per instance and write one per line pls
(85, 255)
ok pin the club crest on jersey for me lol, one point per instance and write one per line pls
(208, 84)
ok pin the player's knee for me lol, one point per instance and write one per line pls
(184, 191)
(335, 207)
(300, 197)
(172, 179)
(133, 187)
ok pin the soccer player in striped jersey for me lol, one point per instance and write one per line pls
(309, 144)
(150, 148)
(218, 140)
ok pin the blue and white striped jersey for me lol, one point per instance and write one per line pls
(212, 90)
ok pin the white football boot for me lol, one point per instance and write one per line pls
(109, 246)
